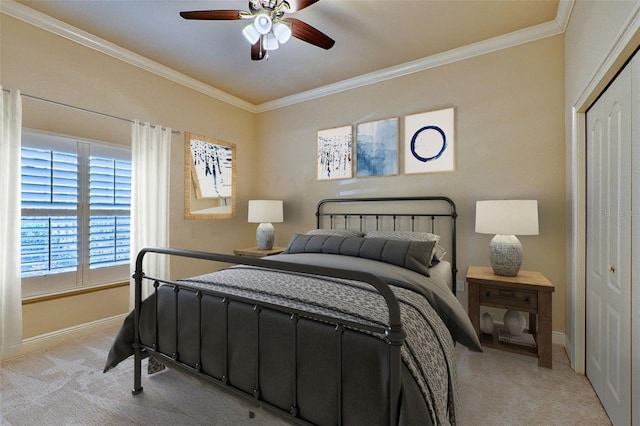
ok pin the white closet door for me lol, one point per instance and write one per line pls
(609, 248)
(635, 242)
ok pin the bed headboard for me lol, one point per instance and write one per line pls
(419, 214)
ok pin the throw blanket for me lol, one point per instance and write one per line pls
(428, 350)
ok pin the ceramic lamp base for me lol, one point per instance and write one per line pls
(265, 236)
(505, 255)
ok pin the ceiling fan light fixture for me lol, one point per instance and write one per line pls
(269, 42)
(263, 23)
(282, 32)
(251, 34)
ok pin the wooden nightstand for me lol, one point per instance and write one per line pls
(528, 292)
(256, 252)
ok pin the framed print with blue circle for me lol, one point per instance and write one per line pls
(429, 142)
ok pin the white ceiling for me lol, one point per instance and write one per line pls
(374, 38)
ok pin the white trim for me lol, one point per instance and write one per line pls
(558, 338)
(47, 23)
(576, 268)
(54, 338)
(564, 13)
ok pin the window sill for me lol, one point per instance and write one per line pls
(69, 293)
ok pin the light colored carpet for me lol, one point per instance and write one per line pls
(65, 386)
(500, 388)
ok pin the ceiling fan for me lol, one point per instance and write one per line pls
(269, 27)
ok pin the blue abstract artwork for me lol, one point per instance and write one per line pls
(377, 148)
(335, 153)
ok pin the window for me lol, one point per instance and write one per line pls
(75, 213)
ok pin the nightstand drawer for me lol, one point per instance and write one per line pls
(511, 298)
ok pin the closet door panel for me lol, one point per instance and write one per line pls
(635, 241)
(609, 248)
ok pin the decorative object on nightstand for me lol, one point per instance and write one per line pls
(265, 212)
(486, 323)
(506, 219)
(514, 322)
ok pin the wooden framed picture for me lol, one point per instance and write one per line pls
(429, 142)
(209, 178)
(335, 153)
(377, 148)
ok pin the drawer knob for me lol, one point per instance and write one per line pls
(612, 269)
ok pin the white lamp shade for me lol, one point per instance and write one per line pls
(507, 217)
(251, 34)
(269, 42)
(282, 32)
(262, 23)
(265, 211)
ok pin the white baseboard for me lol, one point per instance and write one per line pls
(558, 338)
(54, 338)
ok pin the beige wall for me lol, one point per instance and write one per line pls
(509, 140)
(44, 65)
(599, 38)
(52, 314)
(509, 144)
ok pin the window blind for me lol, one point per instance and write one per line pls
(109, 192)
(59, 206)
(49, 186)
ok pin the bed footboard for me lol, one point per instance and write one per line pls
(292, 334)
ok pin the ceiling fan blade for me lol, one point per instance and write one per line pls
(215, 15)
(306, 32)
(296, 5)
(257, 52)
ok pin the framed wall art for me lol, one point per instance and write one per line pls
(429, 142)
(377, 148)
(209, 178)
(335, 153)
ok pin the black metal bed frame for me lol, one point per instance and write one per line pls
(393, 331)
(394, 216)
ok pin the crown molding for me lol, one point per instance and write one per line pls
(47, 23)
(564, 13)
(527, 35)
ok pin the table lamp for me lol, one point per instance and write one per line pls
(506, 219)
(265, 212)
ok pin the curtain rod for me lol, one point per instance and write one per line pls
(175, 132)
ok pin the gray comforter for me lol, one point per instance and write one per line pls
(432, 317)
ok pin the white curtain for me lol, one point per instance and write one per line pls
(10, 284)
(150, 165)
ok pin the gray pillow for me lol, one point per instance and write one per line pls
(437, 252)
(336, 232)
(413, 255)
